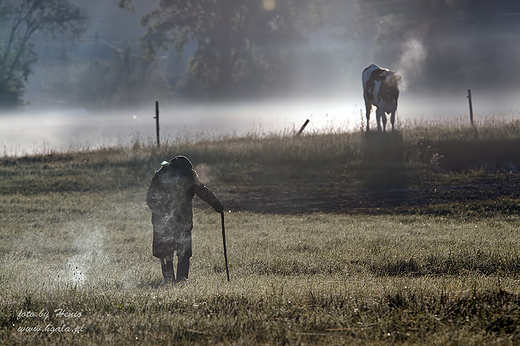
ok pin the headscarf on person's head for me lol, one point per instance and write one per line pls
(181, 162)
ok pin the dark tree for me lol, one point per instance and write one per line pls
(22, 22)
(238, 43)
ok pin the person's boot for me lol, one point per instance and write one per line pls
(167, 270)
(183, 267)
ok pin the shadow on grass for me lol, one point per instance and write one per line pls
(382, 166)
(383, 147)
(491, 310)
(494, 155)
(383, 173)
(464, 262)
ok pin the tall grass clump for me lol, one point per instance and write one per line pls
(398, 159)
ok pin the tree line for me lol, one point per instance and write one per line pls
(239, 48)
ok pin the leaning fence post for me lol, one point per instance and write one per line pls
(303, 127)
(471, 113)
(156, 117)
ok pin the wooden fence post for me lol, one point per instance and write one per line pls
(470, 107)
(471, 114)
(157, 122)
(303, 127)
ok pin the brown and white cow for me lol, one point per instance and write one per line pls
(381, 90)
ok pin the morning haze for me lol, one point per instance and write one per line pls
(333, 234)
(279, 63)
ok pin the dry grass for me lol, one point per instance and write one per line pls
(76, 235)
(315, 279)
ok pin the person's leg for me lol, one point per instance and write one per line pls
(167, 270)
(183, 254)
(183, 268)
(163, 246)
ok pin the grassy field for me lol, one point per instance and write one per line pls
(333, 238)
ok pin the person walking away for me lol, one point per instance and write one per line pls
(170, 198)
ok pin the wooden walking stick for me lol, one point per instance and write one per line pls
(224, 240)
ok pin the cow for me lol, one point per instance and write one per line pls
(381, 90)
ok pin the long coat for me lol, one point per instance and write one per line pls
(170, 198)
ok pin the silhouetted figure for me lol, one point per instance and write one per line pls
(170, 197)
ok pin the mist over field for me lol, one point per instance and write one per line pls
(337, 236)
(101, 89)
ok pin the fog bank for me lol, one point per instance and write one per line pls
(36, 131)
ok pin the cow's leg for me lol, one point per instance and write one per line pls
(383, 115)
(368, 107)
(379, 113)
(392, 119)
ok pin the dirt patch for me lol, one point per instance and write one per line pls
(328, 199)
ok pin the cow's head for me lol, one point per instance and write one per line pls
(391, 78)
(388, 77)
(390, 93)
